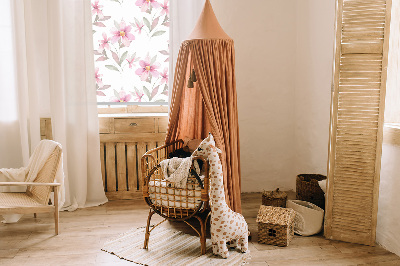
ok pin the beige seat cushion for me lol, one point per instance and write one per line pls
(15, 199)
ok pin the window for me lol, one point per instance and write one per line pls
(131, 50)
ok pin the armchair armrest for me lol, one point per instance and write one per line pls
(29, 184)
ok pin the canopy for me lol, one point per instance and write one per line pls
(210, 105)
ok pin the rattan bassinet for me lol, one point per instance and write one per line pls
(170, 202)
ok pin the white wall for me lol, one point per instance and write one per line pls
(314, 60)
(284, 52)
(388, 227)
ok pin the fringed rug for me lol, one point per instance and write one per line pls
(168, 247)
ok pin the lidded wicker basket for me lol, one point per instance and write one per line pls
(274, 198)
(308, 189)
(275, 225)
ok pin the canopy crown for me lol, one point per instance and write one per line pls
(207, 26)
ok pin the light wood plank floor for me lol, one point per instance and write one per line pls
(83, 232)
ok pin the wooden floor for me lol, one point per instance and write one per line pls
(83, 232)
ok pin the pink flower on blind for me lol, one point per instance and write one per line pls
(104, 43)
(145, 4)
(122, 33)
(164, 76)
(139, 96)
(97, 77)
(147, 68)
(96, 9)
(123, 97)
(139, 26)
(131, 61)
(165, 8)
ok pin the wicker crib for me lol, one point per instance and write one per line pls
(170, 202)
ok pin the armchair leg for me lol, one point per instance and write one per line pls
(56, 212)
(147, 235)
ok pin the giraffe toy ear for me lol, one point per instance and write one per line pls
(216, 149)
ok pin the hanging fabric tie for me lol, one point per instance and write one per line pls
(193, 76)
(192, 79)
(190, 83)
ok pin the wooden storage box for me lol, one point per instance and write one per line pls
(274, 198)
(275, 225)
(308, 189)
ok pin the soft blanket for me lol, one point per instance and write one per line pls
(29, 173)
(176, 170)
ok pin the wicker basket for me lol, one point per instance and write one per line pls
(308, 189)
(274, 198)
(275, 225)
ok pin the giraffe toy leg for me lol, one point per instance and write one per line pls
(222, 249)
(243, 244)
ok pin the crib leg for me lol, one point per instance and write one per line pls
(203, 236)
(147, 235)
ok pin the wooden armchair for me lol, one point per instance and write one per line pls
(36, 197)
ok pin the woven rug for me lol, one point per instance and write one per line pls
(168, 247)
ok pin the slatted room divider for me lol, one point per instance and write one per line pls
(358, 95)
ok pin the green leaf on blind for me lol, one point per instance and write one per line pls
(136, 90)
(111, 67)
(155, 23)
(147, 23)
(115, 57)
(147, 92)
(99, 24)
(116, 94)
(101, 58)
(105, 18)
(158, 33)
(123, 57)
(116, 24)
(153, 60)
(154, 92)
(164, 52)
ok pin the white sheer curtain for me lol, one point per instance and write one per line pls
(55, 77)
(184, 15)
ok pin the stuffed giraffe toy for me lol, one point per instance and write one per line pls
(226, 225)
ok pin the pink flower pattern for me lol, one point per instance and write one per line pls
(97, 77)
(131, 61)
(96, 9)
(139, 27)
(130, 51)
(164, 76)
(147, 68)
(123, 97)
(122, 33)
(165, 8)
(146, 4)
(104, 43)
(138, 96)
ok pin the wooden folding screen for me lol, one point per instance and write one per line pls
(358, 96)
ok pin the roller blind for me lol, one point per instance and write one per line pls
(358, 97)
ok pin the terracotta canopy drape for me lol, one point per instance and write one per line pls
(211, 106)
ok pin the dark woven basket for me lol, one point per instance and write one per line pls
(274, 198)
(308, 189)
